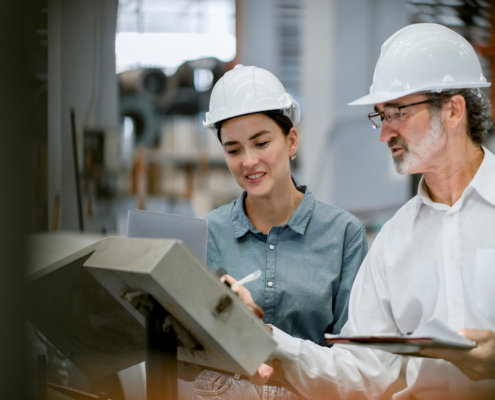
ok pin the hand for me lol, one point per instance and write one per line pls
(262, 376)
(245, 297)
(477, 363)
(266, 373)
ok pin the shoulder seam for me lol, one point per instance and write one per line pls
(354, 238)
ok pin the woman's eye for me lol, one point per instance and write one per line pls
(232, 152)
(261, 144)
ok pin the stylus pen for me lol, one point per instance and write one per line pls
(251, 277)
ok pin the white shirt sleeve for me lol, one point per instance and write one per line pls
(343, 370)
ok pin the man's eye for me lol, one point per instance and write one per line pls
(261, 144)
(232, 152)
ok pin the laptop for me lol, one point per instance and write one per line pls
(154, 225)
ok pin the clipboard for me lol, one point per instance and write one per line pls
(433, 334)
(401, 345)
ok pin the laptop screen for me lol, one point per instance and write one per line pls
(153, 225)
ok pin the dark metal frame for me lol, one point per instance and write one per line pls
(382, 113)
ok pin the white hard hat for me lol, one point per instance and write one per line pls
(248, 90)
(423, 58)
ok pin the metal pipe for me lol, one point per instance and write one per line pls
(76, 170)
(161, 357)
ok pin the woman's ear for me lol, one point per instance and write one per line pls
(292, 139)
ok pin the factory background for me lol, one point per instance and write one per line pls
(104, 102)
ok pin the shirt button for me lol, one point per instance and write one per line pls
(270, 284)
(451, 256)
(456, 300)
(271, 248)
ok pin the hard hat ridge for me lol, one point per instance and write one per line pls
(423, 58)
(249, 90)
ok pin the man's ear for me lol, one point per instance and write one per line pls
(455, 111)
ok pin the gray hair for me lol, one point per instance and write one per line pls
(478, 107)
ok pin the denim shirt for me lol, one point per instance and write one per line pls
(307, 265)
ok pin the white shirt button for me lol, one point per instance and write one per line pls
(451, 256)
(456, 300)
(270, 284)
(272, 247)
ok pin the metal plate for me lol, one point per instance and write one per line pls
(78, 315)
(234, 340)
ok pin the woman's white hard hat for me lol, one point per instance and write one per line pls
(249, 90)
(423, 58)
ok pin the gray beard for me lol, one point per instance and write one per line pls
(413, 156)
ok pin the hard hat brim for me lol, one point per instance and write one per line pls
(383, 97)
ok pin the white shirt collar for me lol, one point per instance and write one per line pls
(483, 182)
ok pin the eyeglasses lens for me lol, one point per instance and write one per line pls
(376, 121)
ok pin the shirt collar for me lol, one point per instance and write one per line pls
(298, 222)
(483, 182)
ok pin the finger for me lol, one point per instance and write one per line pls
(229, 279)
(476, 335)
(257, 310)
(256, 379)
(278, 372)
(262, 376)
(265, 371)
(448, 355)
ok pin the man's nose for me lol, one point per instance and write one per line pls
(387, 132)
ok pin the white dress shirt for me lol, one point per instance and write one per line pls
(429, 260)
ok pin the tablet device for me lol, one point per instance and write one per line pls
(153, 225)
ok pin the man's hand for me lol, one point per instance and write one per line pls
(262, 376)
(245, 297)
(266, 373)
(477, 363)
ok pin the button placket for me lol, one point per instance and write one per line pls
(453, 278)
(271, 262)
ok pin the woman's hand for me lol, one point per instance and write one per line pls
(245, 296)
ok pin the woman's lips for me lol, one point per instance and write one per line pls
(256, 177)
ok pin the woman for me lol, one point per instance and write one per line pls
(308, 252)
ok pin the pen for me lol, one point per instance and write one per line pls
(251, 277)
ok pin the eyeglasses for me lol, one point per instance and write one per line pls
(391, 114)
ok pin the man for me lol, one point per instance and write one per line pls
(435, 259)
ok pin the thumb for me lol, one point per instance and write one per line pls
(476, 335)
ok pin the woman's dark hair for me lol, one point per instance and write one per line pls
(478, 109)
(283, 122)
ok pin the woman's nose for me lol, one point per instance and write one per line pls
(250, 159)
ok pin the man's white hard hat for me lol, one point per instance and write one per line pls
(423, 58)
(249, 90)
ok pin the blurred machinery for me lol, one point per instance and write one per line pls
(148, 97)
(473, 19)
(165, 155)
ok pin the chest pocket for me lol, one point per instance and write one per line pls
(485, 282)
